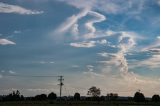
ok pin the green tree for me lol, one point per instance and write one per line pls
(52, 96)
(94, 91)
(77, 96)
(155, 98)
(139, 97)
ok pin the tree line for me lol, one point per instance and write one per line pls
(93, 95)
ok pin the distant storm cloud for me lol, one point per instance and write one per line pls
(8, 8)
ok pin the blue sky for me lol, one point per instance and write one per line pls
(111, 44)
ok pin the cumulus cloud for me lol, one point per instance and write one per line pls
(108, 81)
(8, 8)
(6, 42)
(126, 42)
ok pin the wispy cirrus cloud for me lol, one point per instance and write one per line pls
(6, 42)
(71, 24)
(89, 25)
(8, 8)
(1, 76)
(84, 44)
(89, 44)
(153, 60)
(11, 72)
(110, 6)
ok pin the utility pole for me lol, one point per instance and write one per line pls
(60, 84)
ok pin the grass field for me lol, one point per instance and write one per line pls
(38, 103)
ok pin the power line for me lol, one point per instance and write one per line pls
(60, 79)
(60, 85)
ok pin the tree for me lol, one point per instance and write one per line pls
(41, 97)
(93, 91)
(155, 98)
(14, 96)
(77, 96)
(52, 96)
(139, 97)
(112, 96)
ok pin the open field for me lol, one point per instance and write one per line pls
(76, 104)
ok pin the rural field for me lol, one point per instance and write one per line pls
(77, 104)
(79, 52)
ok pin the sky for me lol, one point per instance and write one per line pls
(111, 44)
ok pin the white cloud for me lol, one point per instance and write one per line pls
(17, 32)
(109, 32)
(12, 72)
(154, 45)
(90, 66)
(103, 41)
(126, 42)
(38, 90)
(151, 62)
(158, 37)
(51, 62)
(84, 44)
(108, 81)
(110, 6)
(158, 2)
(88, 44)
(75, 66)
(1, 76)
(80, 3)
(71, 22)
(153, 51)
(46, 62)
(6, 42)
(91, 73)
(75, 30)
(89, 25)
(8, 8)
(2, 71)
